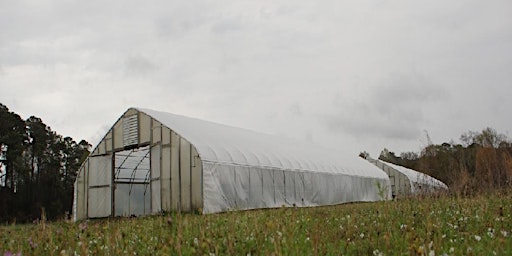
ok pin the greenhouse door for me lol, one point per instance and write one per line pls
(99, 200)
(132, 193)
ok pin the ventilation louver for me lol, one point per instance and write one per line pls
(130, 130)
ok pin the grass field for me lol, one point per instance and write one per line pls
(479, 225)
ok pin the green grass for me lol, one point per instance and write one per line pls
(480, 225)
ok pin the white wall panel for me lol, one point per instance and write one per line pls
(118, 135)
(185, 179)
(242, 186)
(79, 201)
(108, 142)
(144, 128)
(175, 172)
(101, 148)
(166, 136)
(289, 181)
(225, 183)
(100, 202)
(279, 188)
(196, 180)
(100, 170)
(156, 203)
(100, 190)
(156, 136)
(268, 196)
(255, 188)
(299, 188)
(166, 178)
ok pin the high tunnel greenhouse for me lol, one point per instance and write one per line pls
(151, 162)
(407, 182)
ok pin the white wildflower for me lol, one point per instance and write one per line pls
(504, 233)
(361, 235)
(478, 238)
(490, 232)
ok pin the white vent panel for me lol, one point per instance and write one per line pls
(130, 130)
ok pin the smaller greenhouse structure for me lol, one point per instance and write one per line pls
(405, 181)
(151, 162)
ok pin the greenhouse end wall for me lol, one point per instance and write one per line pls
(175, 178)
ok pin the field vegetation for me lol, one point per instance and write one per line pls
(444, 225)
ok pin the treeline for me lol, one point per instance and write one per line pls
(37, 169)
(482, 161)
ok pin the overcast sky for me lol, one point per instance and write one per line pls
(359, 75)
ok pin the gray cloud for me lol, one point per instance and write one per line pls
(138, 65)
(393, 108)
(361, 75)
(296, 109)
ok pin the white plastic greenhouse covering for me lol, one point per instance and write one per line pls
(405, 181)
(420, 182)
(241, 169)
